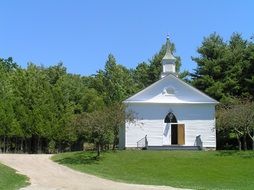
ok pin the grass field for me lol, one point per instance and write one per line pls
(10, 180)
(188, 169)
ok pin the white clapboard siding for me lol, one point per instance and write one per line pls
(199, 120)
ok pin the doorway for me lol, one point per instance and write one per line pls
(177, 134)
(174, 134)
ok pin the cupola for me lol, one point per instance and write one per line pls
(168, 61)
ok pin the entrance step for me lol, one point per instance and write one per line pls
(173, 147)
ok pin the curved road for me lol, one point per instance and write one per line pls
(45, 174)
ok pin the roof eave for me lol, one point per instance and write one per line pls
(144, 102)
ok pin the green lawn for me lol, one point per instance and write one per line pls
(10, 180)
(189, 169)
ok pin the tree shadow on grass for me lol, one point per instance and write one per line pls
(236, 153)
(79, 158)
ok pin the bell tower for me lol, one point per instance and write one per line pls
(168, 61)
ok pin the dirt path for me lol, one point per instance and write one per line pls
(45, 174)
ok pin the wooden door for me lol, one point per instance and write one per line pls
(180, 134)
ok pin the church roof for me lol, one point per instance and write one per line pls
(171, 90)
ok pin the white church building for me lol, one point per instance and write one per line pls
(170, 114)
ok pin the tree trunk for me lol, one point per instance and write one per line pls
(0, 144)
(59, 148)
(115, 143)
(98, 149)
(21, 145)
(4, 145)
(253, 144)
(38, 145)
(16, 144)
(239, 143)
(26, 146)
(252, 139)
(244, 142)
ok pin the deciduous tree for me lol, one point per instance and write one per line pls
(237, 119)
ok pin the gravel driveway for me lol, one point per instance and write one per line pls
(45, 174)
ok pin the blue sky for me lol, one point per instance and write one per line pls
(82, 33)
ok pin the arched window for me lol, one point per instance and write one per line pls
(170, 118)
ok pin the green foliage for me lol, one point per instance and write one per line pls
(147, 73)
(101, 127)
(114, 83)
(225, 69)
(95, 127)
(37, 106)
(8, 64)
(183, 169)
(238, 119)
(10, 180)
(52, 147)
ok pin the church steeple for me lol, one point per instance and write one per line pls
(168, 61)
